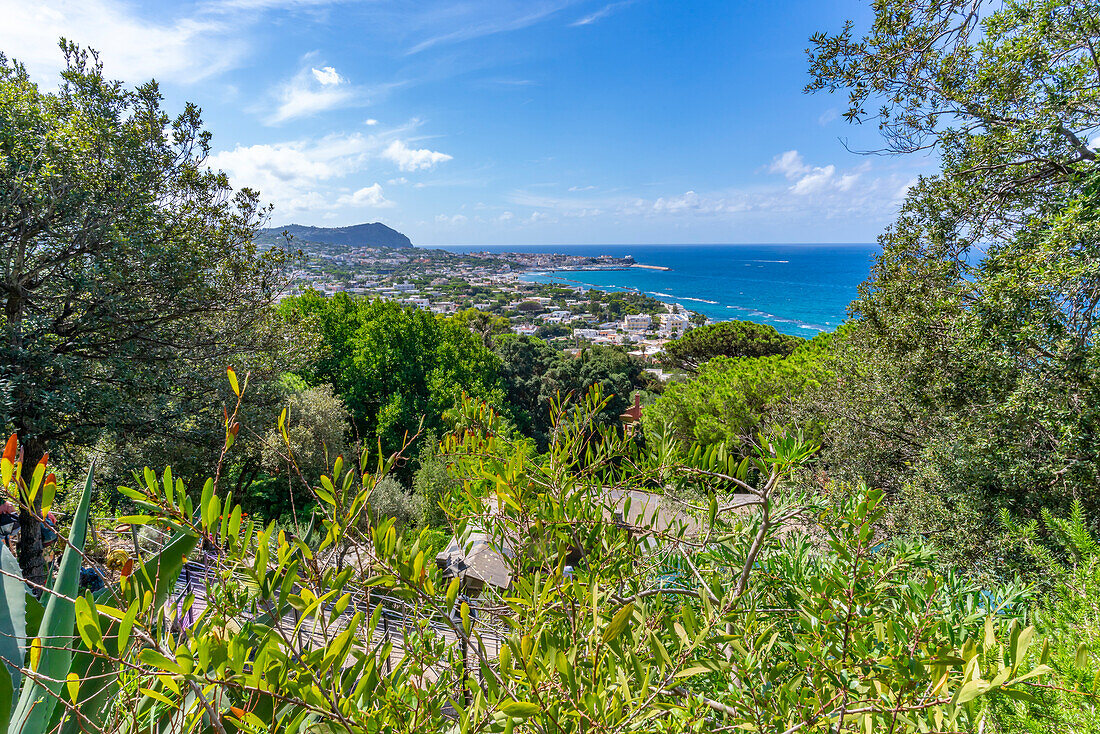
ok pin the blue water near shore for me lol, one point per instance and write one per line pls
(798, 289)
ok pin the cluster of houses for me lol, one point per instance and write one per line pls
(498, 289)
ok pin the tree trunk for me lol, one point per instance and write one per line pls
(31, 559)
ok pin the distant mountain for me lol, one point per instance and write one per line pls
(374, 234)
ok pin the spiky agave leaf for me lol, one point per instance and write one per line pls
(39, 695)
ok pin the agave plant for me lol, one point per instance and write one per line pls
(62, 659)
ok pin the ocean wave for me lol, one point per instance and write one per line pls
(770, 261)
(701, 300)
(661, 295)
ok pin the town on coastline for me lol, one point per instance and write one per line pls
(566, 312)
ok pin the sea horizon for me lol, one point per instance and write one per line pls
(799, 289)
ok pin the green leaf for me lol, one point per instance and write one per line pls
(618, 622)
(232, 375)
(6, 690)
(971, 690)
(1082, 658)
(151, 657)
(521, 709)
(87, 623)
(13, 619)
(72, 682)
(100, 677)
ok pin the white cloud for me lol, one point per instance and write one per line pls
(310, 92)
(581, 188)
(412, 159)
(809, 194)
(827, 116)
(457, 219)
(687, 200)
(371, 121)
(790, 164)
(808, 180)
(600, 14)
(319, 175)
(301, 176)
(815, 181)
(470, 20)
(327, 76)
(847, 181)
(903, 191)
(368, 196)
(179, 48)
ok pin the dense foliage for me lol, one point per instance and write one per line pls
(730, 400)
(536, 376)
(394, 367)
(763, 633)
(977, 362)
(886, 529)
(733, 339)
(127, 269)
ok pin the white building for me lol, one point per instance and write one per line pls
(637, 322)
(589, 334)
(673, 325)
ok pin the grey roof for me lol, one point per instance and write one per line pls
(480, 560)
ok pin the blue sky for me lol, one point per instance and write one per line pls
(507, 122)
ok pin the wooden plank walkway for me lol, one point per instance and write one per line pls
(398, 625)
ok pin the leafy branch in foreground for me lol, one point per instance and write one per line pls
(620, 613)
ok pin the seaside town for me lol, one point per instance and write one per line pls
(565, 312)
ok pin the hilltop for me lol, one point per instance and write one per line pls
(374, 234)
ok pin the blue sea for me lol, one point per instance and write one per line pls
(798, 289)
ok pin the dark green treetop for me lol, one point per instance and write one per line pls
(735, 339)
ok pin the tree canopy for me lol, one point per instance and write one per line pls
(734, 339)
(730, 400)
(128, 272)
(977, 325)
(394, 366)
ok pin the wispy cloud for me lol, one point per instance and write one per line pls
(467, 21)
(810, 192)
(602, 13)
(312, 91)
(326, 174)
(182, 48)
(411, 159)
